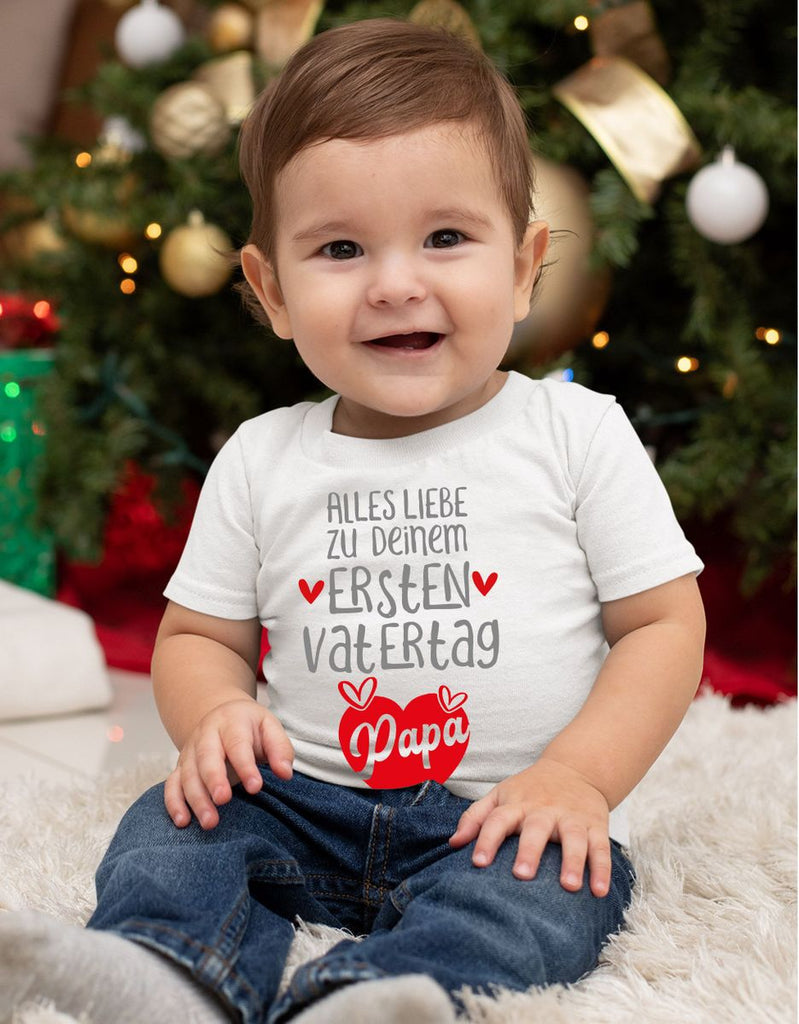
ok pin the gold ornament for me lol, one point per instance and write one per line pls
(111, 230)
(33, 238)
(449, 15)
(96, 229)
(230, 27)
(193, 258)
(571, 295)
(629, 30)
(187, 119)
(229, 80)
(282, 26)
(638, 125)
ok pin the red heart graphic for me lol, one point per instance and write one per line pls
(391, 747)
(484, 585)
(311, 593)
(358, 696)
(450, 701)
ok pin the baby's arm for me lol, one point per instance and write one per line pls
(643, 690)
(204, 672)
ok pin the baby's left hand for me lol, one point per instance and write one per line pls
(548, 801)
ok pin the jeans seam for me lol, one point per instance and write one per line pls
(421, 794)
(370, 860)
(206, 951)
(383, 888)
(259, 870)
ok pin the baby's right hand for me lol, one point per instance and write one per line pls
(224, 749)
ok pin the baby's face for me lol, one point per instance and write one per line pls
(398, 276)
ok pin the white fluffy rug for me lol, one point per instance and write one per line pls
(711, 936)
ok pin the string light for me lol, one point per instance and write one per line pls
(41, 309)
(12, 389)
(128, 263)
(601, 339)
(83, 159)
(730, 385)
(687, 364)
(153, 231)
(38, 428)
(127, 286)
(581, 23)
(8, 433)
(770, 335)
(567, 375)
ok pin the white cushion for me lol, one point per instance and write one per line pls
(51, 662)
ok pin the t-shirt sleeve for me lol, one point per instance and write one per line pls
(625, 522)
(218, 569)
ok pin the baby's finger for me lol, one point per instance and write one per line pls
(238, 748)
(209, 754)
(197, 796)
(176, 806)
(501, 822)
(535, 834)
(471, 821)
(574, 842)
(599, 862)
(277, 748)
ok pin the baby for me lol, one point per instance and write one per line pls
(483, 617)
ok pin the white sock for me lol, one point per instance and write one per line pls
(95, 975)
(406, 999)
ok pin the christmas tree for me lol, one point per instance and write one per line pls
(669, 288)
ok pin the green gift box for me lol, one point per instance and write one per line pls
(27, 553)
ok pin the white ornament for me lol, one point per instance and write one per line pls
(148, 34)
(727, 202)
(116, 131)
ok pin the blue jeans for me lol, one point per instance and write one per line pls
(221, 903)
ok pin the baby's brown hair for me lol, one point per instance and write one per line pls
(377, 78)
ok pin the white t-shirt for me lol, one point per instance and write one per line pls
(432, 601)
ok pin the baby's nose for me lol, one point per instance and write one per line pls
(395, 281)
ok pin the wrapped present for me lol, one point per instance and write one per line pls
(27, 555)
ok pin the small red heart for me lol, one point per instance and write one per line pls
(358, 696)
(310, 593)
(484, 585)
(450, 701)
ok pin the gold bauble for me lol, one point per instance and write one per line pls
(193, 258)
(571, 295)
(25, 242)
(187, 119)
(229, 79)
(230, 27)
(111, 230)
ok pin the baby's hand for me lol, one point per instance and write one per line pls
(224, 749)
(548, 801)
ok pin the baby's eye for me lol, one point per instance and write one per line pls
(342, 249)
(444, 239)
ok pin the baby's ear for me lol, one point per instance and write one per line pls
(527, 265)
(263, 280)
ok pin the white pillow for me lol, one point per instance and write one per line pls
(51, 662)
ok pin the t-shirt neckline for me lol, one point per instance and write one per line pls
(321, 444)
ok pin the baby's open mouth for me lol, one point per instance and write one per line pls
(415, 342)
